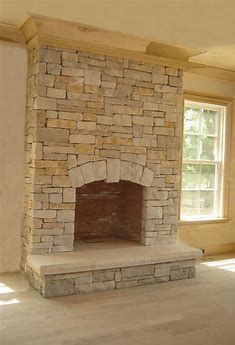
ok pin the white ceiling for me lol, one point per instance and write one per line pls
(204, 24)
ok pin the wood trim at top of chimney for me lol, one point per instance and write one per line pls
(41, 30)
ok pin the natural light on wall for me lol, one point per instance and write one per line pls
(203, 161)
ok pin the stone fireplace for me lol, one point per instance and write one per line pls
(103, 160)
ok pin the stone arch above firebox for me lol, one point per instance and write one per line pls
(110, 170)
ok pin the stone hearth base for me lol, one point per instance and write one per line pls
(112, 264)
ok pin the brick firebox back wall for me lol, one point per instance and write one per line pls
(108, 210)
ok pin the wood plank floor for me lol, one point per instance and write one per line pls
(192, 312)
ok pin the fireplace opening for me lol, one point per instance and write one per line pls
(107, 210)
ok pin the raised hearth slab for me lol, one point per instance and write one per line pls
(112, 264)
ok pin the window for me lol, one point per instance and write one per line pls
(203, 161)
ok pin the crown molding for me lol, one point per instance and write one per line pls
(10, 33)
(211, 71)
(41, 30)
(172, 52)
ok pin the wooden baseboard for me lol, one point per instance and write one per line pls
(220, 249)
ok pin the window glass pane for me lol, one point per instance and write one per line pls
(191, 176)
(208, 122)
(207, 148)
(206, 203)
(190, 147)
(208, 176)
(191, 121)
(190, 203)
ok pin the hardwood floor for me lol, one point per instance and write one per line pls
(191, 312)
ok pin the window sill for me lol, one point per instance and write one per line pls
(204, 221)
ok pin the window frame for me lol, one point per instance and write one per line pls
(225, 104)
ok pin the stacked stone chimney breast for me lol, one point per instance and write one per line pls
(99, 118)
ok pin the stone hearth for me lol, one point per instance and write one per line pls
(108, 265)
(94, 123)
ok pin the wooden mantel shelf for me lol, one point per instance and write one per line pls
(41, 30)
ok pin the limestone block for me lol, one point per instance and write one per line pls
(103, 276)
(137, 271)
(88, 172)
(150, 106)
(126, 284)
(192, 272)
(55, 288)
(69, 194)
(164, 131)
(137, 75)
(65, 215)
(55, 198)
(140, 66)
(63, 239)
(172, 71)
(173, 154)
(181, 273)
(154, 193)
(45, 79)
(36, 151)
(125, 170)
(104, 120)
(162, 279)
(44, 213)
(147, 177)
(108, 85)
(83, 278)
(122, 120)
(56, 93)
(57, 135)
(113, 170)
(160, 78)
(136, 174)
(172, 117)
(152, 212)
(69, 228)
(175, 81)
(72, 71)
(100, 170)
(82, 138)
(123, 91)
(148, 241)
(159, 122)
(165, 88)
(102, 286)
(44, 103)
(92, 77)
(76, 177)
(143, 120)
(75, 87)
(51, 114)
(72, 161)
(53, 69)
(62, 248)
(86, 125)
(162, 270)
(169, 219)
(70, 56)
(49, 55)
(61, 181)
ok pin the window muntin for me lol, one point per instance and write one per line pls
(203, 159)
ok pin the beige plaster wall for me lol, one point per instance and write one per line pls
(217, 237)
(13, 62)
